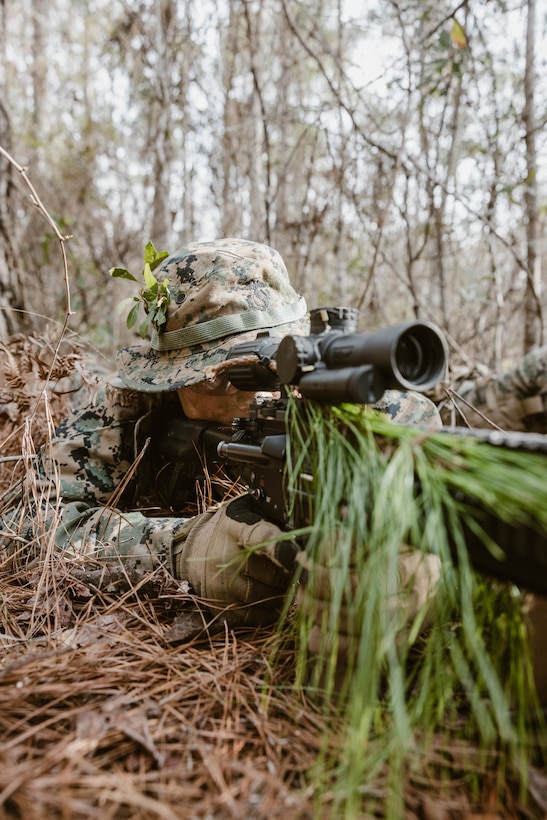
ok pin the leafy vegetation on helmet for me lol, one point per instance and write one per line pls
(154, 295)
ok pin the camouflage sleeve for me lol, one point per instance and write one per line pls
(528, 377)
(91, 536)
(93, 449)
(74, 501)
(95, 535)
(514, 400)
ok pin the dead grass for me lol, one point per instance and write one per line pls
(116, 703)
(37, 386)
(107, 717)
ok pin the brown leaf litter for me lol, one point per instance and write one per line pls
(38, 379)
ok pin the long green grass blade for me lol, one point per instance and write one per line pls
(461, 668)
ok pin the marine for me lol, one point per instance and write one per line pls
(103, 492)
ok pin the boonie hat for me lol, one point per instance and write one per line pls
(222, 293)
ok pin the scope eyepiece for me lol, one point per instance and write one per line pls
(255, 375)
(411, 355)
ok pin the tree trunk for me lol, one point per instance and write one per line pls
(11, 293)
(39, 74)
(7, 257)
(533, 330)
(163, 154)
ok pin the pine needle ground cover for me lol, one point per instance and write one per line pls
(114, 702)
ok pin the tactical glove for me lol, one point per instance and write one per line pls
(235, 562)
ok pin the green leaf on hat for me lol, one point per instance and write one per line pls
(145, 324)
(121, 273)
(153, 296)
(133, 315)
(124, 304)
(149, 278)
(153, 257)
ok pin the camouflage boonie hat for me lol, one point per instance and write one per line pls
(222, 293)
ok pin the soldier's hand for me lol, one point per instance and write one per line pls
(236, 562)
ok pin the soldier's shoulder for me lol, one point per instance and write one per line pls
(409, 407)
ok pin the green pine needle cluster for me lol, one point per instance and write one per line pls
(460, 666)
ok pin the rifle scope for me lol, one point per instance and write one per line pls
(337, 361)
(412, 355)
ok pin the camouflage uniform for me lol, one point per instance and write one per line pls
(99, 489)
(515, 400)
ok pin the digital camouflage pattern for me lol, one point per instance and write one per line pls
(89, 491)
(514, 400)
(222, 293)
(408, 407)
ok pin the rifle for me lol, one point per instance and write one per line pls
(335, 364)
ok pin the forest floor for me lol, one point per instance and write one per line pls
(116, 703)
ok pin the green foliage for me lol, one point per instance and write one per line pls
(459, 670)
(154, 295)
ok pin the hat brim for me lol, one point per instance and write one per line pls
(151, 371)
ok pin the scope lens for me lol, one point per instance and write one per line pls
(410, 358)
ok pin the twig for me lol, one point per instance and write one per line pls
(62, 240)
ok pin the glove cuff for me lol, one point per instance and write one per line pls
(183, 566)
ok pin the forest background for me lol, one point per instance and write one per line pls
(394, 153)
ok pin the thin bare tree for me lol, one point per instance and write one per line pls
(533, 314)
